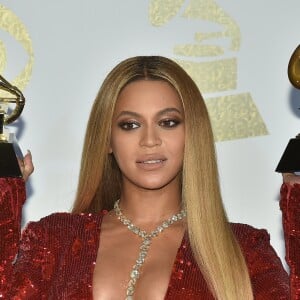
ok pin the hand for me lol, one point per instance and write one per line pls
(26, 165)
(291, 178)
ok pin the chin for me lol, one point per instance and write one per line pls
(155, 185)
(150, 186)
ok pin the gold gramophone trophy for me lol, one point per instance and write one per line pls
(9, 166)
(290, 160)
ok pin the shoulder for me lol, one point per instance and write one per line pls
(66, 219)
(60, 224)
(268, 277)
(251, 239)
(257, 249)
(245, 233)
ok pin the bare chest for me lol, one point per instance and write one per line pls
(117, 254)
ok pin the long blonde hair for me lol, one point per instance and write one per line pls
(213, 244)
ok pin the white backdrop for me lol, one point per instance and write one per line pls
(75, 43)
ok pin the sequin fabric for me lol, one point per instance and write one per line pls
(57, 255)
(268, 278)
(290, 206)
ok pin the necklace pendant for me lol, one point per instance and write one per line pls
(146, 243)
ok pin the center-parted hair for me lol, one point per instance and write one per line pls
(214, 246)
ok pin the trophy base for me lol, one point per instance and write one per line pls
(9, 166)
(290, 160)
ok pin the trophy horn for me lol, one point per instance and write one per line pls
(17, 98)
(9, 166)
(294, 68)
(290, 159)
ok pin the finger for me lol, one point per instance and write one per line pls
(27, 167)
(286, 176)
(28, 159)
(291, 178)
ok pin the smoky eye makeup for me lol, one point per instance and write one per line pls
(170, 118)
(169, 122)
(167, 118)
(128, 124)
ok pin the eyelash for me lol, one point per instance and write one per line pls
(131, 125)
(169, 123)
(128, 125)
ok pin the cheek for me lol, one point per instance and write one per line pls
(176, 144)
(176, 151)
(121, 141)
(116, 142)
(122, 148)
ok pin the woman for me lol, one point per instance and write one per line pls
(149, 144)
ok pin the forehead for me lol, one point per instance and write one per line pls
(148, 96)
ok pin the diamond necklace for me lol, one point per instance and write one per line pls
(147, 239)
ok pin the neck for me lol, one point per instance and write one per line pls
(150, 206)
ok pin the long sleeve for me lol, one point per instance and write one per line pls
(52, 258)
(25, 263)
(290, 206)
(12, 197)
(268, 277)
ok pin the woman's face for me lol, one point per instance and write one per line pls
(147, 137)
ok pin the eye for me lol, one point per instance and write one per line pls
(129, 125)
(169, 123)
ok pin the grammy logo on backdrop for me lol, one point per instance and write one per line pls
(290, 160)
(9, 166)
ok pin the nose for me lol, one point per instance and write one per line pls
(150, 137)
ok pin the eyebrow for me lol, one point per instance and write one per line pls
(160, 113)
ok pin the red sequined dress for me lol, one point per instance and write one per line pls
(55, 257)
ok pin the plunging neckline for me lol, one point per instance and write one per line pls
(177, 256)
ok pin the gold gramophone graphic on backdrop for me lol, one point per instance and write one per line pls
(208, 53)
(290, 160)
(10, 94)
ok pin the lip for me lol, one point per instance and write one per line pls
(151, 162)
